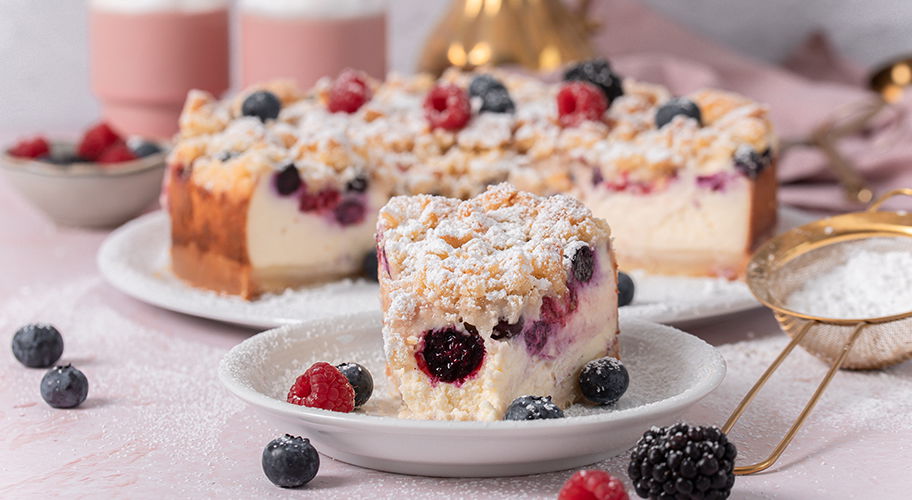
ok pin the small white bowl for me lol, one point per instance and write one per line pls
(669, 371)
(86, 194)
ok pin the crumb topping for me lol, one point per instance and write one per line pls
(502, 250)
(389, 138)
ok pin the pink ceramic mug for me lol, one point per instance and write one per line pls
(308, 39)
(146, 54)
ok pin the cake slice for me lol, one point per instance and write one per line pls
(485, 300)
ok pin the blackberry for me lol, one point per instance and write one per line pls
(626, 289)
(683, 461)
(262, 104)
(533, 408)
(750, 163)
(603, 381)
(37, 345)
(451, 355)
(675, 107)
(290, 461)
(597, 72)
(360, 379)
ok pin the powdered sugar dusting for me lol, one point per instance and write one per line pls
(869, 284)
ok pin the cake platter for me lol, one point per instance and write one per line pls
(134, 259)
(669, 371)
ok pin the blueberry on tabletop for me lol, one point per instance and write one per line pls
(603, 381)
(626, 289)
(290, 461)
(262, 104)
(533, 408)
(37, 345)
(64, 387)
(677, 106)
(360, 379)
(597, 72)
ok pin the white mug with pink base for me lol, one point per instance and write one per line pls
(309, 39)
(146, 54)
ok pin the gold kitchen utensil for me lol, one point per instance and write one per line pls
(537, 34)
(784, 264)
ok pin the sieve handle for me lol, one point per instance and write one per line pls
(880, 201)
(787, 439)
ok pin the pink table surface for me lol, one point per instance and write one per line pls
(158, 424)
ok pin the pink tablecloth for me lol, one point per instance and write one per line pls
(158, 424)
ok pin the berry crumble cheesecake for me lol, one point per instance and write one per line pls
(491, 298)
(277, 187)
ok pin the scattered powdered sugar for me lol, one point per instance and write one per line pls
(869, 284)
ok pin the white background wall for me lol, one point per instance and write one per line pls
(44, 73)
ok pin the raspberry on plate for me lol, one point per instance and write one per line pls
(35, 147)
(593, 485)
(96, 140)
(578, 102)
(349, 92)
(118, 152)
(323, 386)
(447, 107)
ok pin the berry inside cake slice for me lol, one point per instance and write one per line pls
(485, 300)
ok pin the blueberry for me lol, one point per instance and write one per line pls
(360, 379)
(64, 387)
(597, 72)
(750, 163)
(350, 211)
(288, 180)
(262, 104)
(482, 84)
(533, 408)
(37, 345)
(678, 106)
(224, 156)
(63, 158)
(626, 289)
(603, 381)
(369, 266)
(358, 184)
(290, 461)
(146, 148)
(505, 330)
(582, 264)
(450, 355)
(497, 101)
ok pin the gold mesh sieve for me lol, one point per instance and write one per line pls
(786, 262)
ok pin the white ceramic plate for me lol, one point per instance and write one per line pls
(134, 259)
(669, 371)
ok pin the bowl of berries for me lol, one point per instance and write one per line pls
(102, 180)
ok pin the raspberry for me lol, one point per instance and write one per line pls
(593, 485)
(317, 202)
(578, 102)
(36, 147)
(447, 107)
(323, 386)
(117, 153)
(96, 140)
(349, 92)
